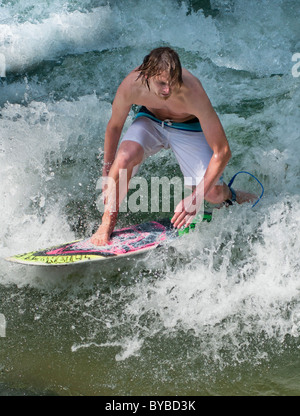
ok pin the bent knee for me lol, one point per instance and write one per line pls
(129, 155)
(217, 194)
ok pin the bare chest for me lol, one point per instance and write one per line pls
(171, 109)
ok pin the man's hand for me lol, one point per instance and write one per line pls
(187, 209)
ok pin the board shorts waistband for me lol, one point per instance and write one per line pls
(189, 125)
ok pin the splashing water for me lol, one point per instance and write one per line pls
(217, 311)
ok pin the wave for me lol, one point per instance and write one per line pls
(244, 39)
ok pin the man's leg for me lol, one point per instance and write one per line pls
(128, 156)
(194, 161)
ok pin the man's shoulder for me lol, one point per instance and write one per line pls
(191, 81)
(130, 84)
(195, 96)
(130, 80)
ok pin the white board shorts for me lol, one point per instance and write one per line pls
(191, 149)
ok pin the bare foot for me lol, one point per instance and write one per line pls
(101, 237)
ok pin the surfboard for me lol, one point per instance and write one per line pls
(124, 242)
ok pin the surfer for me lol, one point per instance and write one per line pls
(175, 113)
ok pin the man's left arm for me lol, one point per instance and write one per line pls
(216, 138)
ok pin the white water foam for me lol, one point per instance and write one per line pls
(27, 44)
(258, 47)
(34, 139)
(231, 286)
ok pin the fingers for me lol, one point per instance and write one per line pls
(182, 217)
(186, 211)
(182, 220)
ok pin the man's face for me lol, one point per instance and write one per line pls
(161, 86)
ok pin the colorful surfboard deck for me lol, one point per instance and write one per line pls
(124, 242)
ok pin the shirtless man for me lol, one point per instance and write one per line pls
(176, 113)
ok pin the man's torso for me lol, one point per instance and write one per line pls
(176, 108)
